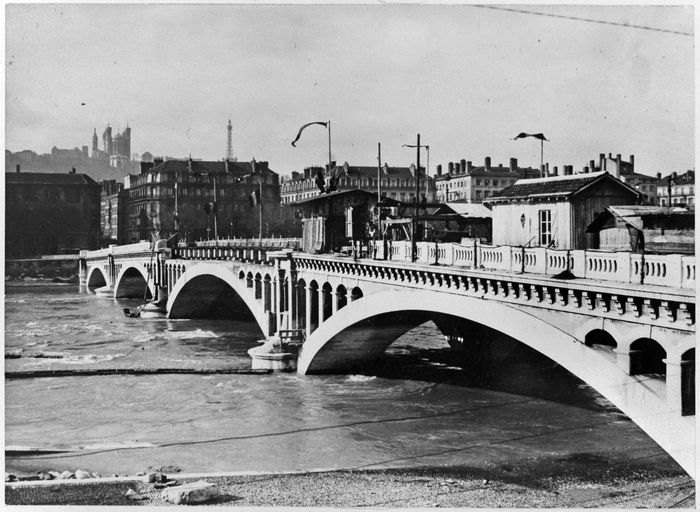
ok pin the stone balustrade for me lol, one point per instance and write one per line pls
(672, 270)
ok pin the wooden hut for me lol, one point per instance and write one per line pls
(649, 229)
(555, 211)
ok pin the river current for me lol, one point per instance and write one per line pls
(413, 408)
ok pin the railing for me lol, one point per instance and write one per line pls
(673, 270)
(655, 269)
(267, 243)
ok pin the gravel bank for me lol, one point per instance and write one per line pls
(530, 484)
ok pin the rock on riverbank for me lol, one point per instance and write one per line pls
(424, 487)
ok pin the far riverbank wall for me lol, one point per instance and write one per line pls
(64, 266)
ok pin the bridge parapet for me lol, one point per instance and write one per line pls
(636, 303)
(673, 270)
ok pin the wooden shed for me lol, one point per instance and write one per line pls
(333, 220)
(555, 211)
(649, 229)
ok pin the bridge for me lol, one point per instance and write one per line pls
(623, 323)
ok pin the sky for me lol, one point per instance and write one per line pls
(467, 78)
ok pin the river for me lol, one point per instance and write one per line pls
(416, 407)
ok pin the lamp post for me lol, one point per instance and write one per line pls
(414, 223)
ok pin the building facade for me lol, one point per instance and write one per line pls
(213, 198)
(555, 211)
(679, 187)
(114, 201)
(50, 213)
(464, 182)
(397, 183)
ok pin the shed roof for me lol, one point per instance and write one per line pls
(554, 186)
(467, 210)
(640, 217)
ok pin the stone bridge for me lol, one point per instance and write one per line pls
(623, 323)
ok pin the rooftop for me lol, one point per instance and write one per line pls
(561, 186)
(48, 178)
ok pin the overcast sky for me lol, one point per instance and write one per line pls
(466, 78)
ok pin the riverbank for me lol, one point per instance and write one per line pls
(577, 482)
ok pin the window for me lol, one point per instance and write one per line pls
(545, 227)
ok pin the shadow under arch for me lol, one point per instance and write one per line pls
(212, 291)
(367, 327)
(134, 281)
(96, 278)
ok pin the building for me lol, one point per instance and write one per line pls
(455, 222)
(625, 171)
(397, 183)
(337, 219)
(114, 202)
(646, 229)
(555, 211)
(466, 183)
(681, 189)
(113, 161)
(234, 210)
(50, 213)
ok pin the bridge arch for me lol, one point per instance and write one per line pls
(131, 282)
(345, 339)
(96, 278)
(204, 288)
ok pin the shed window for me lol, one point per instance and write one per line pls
(545, 227)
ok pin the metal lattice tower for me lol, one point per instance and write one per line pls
(229, 144)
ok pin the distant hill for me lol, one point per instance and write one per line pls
(97, 169)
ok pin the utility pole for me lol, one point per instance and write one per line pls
(414, 247)
(216, 213)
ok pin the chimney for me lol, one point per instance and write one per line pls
(513, 164)
(189, 163)
(487, 163)
(658, 174)
(469, 166)
(585, 169)
(439, 169)
(618, 158)
(451, 168)
(457, 168)
(546, 169)
(602, 160)
(463, 163)
(17, 169)
(632, 162)
(591, 165)
(555, 171)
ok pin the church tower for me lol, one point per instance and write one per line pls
(229, 143)
(94, 143)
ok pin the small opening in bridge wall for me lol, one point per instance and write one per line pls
(342, 296)
(313, 290)
(258, 286)
(646, 357)
(355, 294)
(327, 292)
(688, 382)
(600, 337)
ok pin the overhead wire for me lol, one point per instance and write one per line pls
(587, 20)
